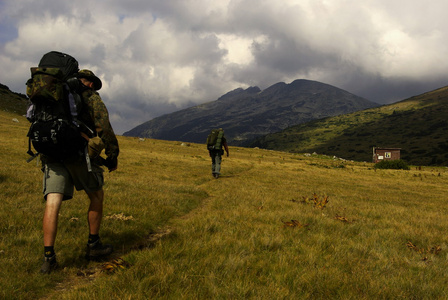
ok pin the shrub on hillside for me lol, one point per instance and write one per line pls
(397, 164)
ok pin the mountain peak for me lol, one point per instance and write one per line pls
(240, 92)
(246, 114)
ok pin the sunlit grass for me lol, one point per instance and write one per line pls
(186, 235)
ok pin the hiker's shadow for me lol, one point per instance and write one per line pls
(226, 176)
(123, 242)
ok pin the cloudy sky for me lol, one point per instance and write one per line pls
(159, 56)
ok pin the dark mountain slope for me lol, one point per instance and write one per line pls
(11, 101)
(417, 125)
(247, 114)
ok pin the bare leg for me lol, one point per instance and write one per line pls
(50, 221)
(95, 213)
(95, 249)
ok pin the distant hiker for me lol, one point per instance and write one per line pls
(81, 169)
(215, 141)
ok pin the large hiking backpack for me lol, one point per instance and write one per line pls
(214, 139)
(55, 104)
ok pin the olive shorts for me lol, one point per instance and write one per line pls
(63, 177)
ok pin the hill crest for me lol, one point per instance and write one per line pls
(249, 113)
(417, 125)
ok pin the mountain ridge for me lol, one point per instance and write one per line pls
(416, 125)
(248, 113)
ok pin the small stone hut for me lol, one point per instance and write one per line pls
(380, 154)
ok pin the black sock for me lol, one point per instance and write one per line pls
(93, 238)
(49, 251)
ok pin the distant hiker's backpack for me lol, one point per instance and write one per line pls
(55, 130)
(214, 139)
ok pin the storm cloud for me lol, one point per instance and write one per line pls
(156, 57)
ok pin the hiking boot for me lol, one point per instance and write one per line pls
(49, 265)
(216, 175)
(97, 250)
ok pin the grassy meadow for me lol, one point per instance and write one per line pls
(416, 125)
(274, 226)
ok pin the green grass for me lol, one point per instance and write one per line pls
(184, 235)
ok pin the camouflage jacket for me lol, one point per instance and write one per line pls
(94, 114)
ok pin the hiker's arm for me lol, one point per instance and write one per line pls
(226, 147)
(104, 130)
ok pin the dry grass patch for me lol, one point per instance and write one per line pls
(181, 234)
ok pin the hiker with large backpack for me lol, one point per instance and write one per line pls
(215, 141)
(70, 127)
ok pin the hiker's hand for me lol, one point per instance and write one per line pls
(111, 164)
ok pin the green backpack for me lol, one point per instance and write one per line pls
(55, 104)
(214, 139)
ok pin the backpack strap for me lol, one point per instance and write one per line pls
(75, 103)
(74, 99)
(86, 154)
(30, 152)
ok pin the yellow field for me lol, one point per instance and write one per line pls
(263, 230)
